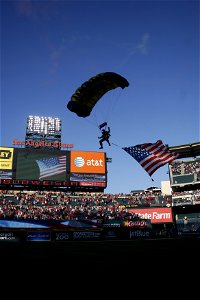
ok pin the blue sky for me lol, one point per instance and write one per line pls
(49, 48)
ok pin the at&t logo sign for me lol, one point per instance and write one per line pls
(80, 162)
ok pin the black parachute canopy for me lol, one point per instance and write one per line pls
(87, 95)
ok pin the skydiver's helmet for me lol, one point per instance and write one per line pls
(103, 131)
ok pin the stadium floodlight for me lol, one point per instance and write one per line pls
(46, 129)
(43, 125)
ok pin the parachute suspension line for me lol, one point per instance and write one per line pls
(117, 95)
(96, 119)
(94, 122)
(112, 103)
(90, 122)
(109, 105)
(116, 145)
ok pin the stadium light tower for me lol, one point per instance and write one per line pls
(43, 132)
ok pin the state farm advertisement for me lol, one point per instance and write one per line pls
(155, 214)
(87, 162)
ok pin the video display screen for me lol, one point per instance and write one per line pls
(41, 165)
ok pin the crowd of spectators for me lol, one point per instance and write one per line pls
(185, 167)
(44, 205)
(41, 205)
(191, 197)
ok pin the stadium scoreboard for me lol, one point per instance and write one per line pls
(43, 168)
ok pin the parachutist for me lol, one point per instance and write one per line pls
(104, 137)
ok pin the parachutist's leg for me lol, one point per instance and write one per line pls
(101, 144)
(108, 142)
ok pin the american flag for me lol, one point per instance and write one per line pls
(51, 166)
(151, 156)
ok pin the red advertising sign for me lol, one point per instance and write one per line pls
(155, 214)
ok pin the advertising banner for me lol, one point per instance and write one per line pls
(154, 214)
(38, 236)
(87, 162)
(10, 236)
(140, 234)
(6, 158)
(87, 235)
(129, 224)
